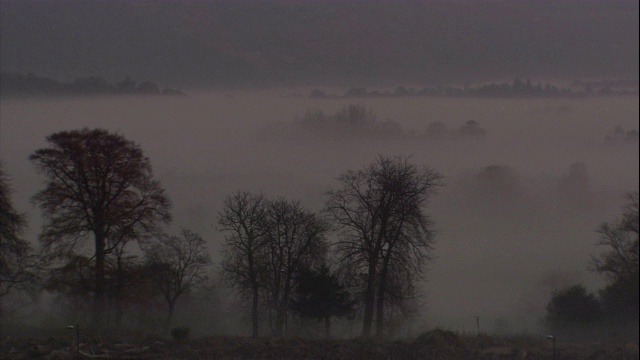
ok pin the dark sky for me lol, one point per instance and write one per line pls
(214, 43)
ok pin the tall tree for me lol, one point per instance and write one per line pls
(295, 239)
(99, 184)
(378, 211)
(177, 264)
(620, 265)
(243, 219)
(620, 262)
(409, 237)
(17, 263)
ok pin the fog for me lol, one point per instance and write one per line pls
(499, 252)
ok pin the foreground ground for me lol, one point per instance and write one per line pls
(436, 344)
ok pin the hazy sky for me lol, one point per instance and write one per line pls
(498, 254)
(240, 43)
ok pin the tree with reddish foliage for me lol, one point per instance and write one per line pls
(98, 184)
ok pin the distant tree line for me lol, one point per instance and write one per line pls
(621, 136)
(356, 121)
(14, 84)
(517, 89)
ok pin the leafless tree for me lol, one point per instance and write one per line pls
(177, 264)
(620, 261)
(243, 219)
(17, 261)
(382, 227)
(295, 240)
(100, 184)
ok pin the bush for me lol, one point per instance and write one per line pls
(180, 333)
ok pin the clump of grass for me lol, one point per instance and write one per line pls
(180, 333)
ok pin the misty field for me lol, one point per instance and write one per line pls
(509, 253)
(218, 179)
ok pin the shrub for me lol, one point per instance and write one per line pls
(180, 333)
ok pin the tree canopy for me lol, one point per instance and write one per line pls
(177, 264)
(383, 230)
(100, 184)
(16, 254)
(321, 296)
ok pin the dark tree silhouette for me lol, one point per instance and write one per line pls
(572, 311)
(75, 279)
(472, 130)
(295, 239)
(17, 262)
(177, 264)
(321, 296)
(101, 184)
(574, 187)
(243, 219)
(619, 263)
(436, 130)
(382, 227)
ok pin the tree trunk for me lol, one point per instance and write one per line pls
(99, 294)
(119, 311)
(380, 299)
(369, 301)
(281, 316)
(279, 330)
(172, 305)
(254, 312)
(327, 327)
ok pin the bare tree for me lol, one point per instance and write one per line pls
(99, 184)
(620, 261)
(383, 230)
(17, 261)
(295, 240)
(177, 264)
(243, 219)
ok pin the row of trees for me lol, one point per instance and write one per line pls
(277, 255)
(14, 84)
(268, 245)
(517, 89)
(356, 121)
(383, 241)
(100, 191)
